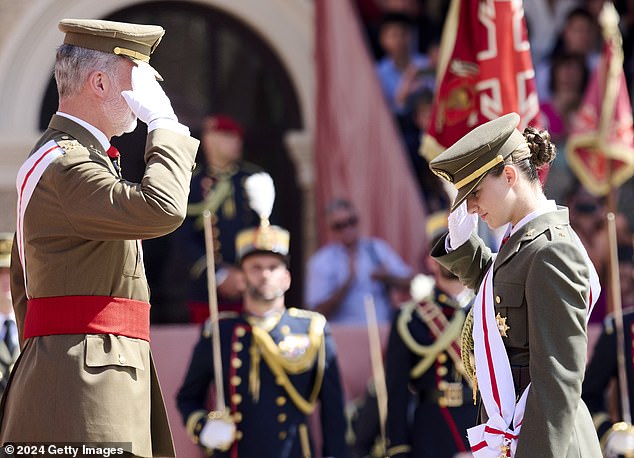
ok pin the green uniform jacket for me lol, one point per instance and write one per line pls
(80, 235)
(540, 283)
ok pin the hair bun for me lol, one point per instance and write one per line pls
(543, 150)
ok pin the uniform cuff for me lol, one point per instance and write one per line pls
(195, 423)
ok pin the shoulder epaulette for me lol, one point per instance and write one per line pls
(303, 313)
(69, 144)
(224, 315)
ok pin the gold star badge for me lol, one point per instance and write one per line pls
(502, 327)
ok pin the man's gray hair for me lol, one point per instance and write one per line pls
(73, 64)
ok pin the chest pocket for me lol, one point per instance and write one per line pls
(133, 264)
(509, 303)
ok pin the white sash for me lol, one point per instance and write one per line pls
(499, 435)
(28, 177)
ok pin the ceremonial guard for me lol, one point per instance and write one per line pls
(218, 186)
(430, 401)
(602, 368)
(78, 281)
(533, 300)
(9, 348)
(277, 364)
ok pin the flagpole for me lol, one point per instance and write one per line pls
(618, 319)
(376, 358)
(213, 313)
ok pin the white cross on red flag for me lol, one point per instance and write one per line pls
(485, 71)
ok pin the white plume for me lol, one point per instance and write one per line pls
(261, 192)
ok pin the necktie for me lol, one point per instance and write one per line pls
(9, 329)
(113, 154)
(505, 239)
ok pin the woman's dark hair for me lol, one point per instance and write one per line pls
(529, 157)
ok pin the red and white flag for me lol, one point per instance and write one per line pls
(600, 147)
(485, 71)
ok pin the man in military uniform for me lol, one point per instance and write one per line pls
(9, 348)
(424, 366)
(218, 186)
(277, 364)
(603, 367)
(86, 373)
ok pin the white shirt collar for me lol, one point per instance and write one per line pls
(99, 135)
(546, 207)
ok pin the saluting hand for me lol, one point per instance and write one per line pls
(147, 100)
(461, 225)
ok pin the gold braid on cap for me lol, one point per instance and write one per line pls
(480, 171)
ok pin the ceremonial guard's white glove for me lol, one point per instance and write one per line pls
(218, 433)
(461, 225)
(148, 101)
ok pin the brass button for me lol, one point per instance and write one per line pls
(239, 435)
(498, 299)
(281, 418)
(235, 380)
(282, 435)
(236, 398)
(442, 358)
(280, 401)
(237, 346)
(237, 417)
(443, 385)
(240, 332)
(442, 371)
(121, 359)
(442, 298)
(236, 363)
(442, 402)
(285, 330)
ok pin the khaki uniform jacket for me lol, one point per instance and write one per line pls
(540, 282)
(80, 236)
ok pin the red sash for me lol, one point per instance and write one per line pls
(87, 315)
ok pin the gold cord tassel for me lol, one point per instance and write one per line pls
(468, 359)
(254, 372)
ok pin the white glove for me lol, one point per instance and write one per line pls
(148, 101)
(218, 433)
(461, 225)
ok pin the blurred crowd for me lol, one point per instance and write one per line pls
(403, 37)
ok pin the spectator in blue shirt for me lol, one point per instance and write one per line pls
(343, 272)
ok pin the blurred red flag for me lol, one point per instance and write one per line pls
(600, 147)
(359, 154)
(485, 71)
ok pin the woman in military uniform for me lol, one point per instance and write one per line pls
(529, 317)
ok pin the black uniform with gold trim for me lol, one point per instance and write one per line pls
(430, 403)
(224, 195)
(603, 368)
(9, 348)
(276, 369)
